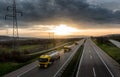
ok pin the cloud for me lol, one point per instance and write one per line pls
(49, 11)
(109, 4)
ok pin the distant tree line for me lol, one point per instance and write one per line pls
(35, 41)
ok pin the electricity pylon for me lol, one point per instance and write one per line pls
(15, 25)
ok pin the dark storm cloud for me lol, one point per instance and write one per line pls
(41, 11)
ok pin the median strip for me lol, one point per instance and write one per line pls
(71, 69)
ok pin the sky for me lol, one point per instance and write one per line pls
(63, 17)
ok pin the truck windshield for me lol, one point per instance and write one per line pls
(43, 60)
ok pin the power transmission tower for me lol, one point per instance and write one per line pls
(15, 25)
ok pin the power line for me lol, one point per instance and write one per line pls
(15, 25)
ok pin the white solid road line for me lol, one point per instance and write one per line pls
(94, 72)
(26, 71)
(104, 62)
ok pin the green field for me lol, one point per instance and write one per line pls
(28, 47)
(22, 48)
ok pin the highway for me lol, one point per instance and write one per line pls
(116, 43)
(95, 63)
(53, 69)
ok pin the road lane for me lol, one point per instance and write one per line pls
(50, 71)
(109, 61)
(100, 65)
(92, 67)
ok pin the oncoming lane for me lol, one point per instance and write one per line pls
(91, 65)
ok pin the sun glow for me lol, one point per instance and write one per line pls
(64, 30)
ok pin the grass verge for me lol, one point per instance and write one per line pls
(111, 50)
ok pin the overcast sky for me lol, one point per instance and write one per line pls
(83, 14)
(108, 4)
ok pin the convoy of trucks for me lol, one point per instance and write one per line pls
(47, 59)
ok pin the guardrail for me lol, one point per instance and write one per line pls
(80, 61)
(61, 70)
(48, 49)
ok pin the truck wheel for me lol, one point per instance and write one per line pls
(46, 66)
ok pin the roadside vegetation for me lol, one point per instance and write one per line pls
(8, 67)
(108, 47)
(11, 60)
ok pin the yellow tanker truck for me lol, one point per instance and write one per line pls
(47, 59)
(68, 47)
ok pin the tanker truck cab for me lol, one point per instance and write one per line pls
(47, 59)
(44, 61)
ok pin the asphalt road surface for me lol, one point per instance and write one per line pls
(116, 43)
(94, 63)
(52, 70)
